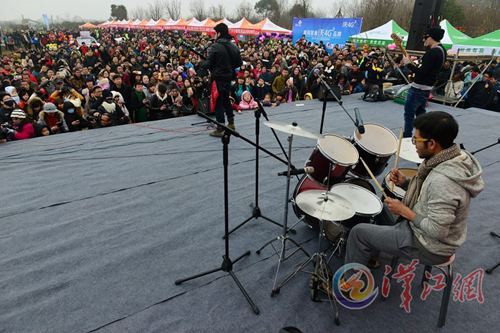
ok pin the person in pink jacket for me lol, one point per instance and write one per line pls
(247, 101)
(23, 129)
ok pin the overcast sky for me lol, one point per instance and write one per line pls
(97, 9)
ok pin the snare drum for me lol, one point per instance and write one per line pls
(375, 146)
(397, 192)
(336, 151)
(363, 199)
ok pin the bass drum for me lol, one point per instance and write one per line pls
(333, 230)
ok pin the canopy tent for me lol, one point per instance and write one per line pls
(180, 24)
(485, 45)
(162, 24)
(244, 27)
(87, 26)
(135, 24)
(380, 36)
(104, 24)
(267, 26)
(207, 25)
(452, 36)
(150, 25)
(224, 20)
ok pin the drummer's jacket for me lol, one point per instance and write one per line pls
(443, 204)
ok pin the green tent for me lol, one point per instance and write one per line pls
(482, 45)
(380, 36)
(452, 36)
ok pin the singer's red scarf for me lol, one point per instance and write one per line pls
(214, 94)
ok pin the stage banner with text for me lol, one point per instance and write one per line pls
(332, 31)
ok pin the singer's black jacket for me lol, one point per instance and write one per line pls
(223, 57)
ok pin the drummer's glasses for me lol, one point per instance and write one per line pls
(414, 140)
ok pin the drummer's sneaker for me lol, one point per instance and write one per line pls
(231, 125)
(218, 133)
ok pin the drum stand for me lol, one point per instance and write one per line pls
(283, 238)
(321, 276)
(256, 213)
(227, 263)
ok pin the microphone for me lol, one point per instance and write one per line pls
(359, 121)
(307, 170)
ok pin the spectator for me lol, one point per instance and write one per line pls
(453, 89)
(279, 82)
(247, 102)
(22, 128)
(138, 104)
(53, 118)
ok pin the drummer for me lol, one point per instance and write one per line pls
(431, 218)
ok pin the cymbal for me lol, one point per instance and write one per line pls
(409, 152)
(335, 208)
(292, 129)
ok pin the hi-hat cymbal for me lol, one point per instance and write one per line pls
(292, 129)
(334, 208)
(409, 152)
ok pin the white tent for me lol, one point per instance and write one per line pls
(266, 25)
(380, 36)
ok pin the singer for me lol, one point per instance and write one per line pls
(425, 77)
(223, 57)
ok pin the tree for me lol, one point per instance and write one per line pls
(266, 8)
(119, 12)
(139, 13)
(217, 12)
(155, 10)
(453, 12)
(246, 10)
(301, 8)
(197, 8)
(173, 8)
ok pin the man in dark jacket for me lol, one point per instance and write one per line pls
(425, 77)
(223, 57)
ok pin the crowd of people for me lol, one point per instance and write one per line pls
(52, 84)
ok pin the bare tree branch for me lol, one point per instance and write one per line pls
(172, 8)
(197, 9)
(217, 12)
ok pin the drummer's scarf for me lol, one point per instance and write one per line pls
(413, 192)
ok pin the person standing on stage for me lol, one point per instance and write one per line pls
(425, 77)
(223, 57)
(432, 220)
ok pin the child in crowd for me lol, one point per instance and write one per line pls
(247, 101)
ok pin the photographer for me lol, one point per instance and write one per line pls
(21, 128)
(7, 105)
(159, 104)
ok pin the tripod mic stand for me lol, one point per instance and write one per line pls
(284, 237)
(227, 263)
(256, 212)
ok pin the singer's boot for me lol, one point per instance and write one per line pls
(231, 124)
(218, 133)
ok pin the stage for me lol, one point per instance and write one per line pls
(96, 226)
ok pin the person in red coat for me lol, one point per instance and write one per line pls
(23, 129)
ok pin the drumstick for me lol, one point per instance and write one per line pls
(373, 177)
(396, 162)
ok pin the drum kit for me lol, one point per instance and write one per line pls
(335, 193)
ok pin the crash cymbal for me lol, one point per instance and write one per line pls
(292, 129)
(409, 152)
(326, 206)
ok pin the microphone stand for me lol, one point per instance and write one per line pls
(256, 213)
(227, 263)
(327, 87)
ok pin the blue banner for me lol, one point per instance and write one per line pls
(332, 31)
(45, 20)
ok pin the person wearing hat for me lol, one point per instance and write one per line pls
(425, 77)
(22, 128)
(53, 118)
(223, 57)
